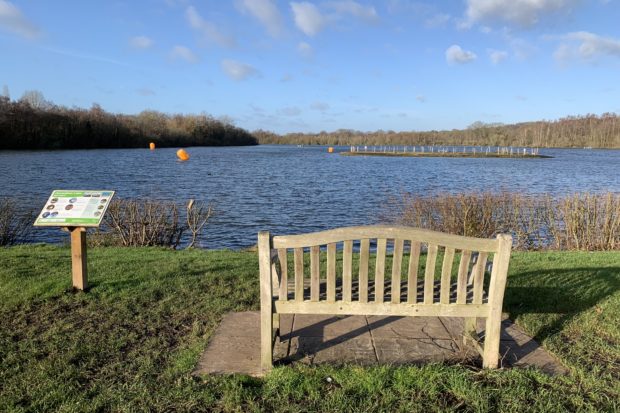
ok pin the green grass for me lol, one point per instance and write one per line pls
(131, 342)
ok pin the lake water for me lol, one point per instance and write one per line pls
(286, 189)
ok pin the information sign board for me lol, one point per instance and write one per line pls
(74, 208)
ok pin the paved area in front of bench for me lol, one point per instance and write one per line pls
(363, 340)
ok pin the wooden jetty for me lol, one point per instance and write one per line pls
(446, 151)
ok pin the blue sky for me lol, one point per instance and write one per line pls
(310, 66)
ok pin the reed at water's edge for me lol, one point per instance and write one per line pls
(580, 221)
(127, 223)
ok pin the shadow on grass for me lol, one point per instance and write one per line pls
(566, 292)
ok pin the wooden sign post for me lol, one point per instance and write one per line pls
(79, 269)
(74, 212)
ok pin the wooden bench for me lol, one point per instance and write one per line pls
(404, 292)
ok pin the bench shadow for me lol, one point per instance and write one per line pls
(566, 292)
(311, 338)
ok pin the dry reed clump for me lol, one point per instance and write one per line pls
(584, 221)
(576, 222)
(139, 223)
(15, 222)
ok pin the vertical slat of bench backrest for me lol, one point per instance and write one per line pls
(479, 277)
(283, 259)
(429, 274)
(363, 272)
(347, 268)
(461, 281)
(380, 270)
(446, 273)
(397, 259)
(314, 272)
(276, 277)
(412, 273)
(299, 274)
(331, 272)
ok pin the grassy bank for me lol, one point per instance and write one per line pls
(444, 155)
(132, 341)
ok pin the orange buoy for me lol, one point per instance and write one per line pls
(182, 155)
(330, 150)
(152, 146)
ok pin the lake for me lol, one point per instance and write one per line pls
(287, 189)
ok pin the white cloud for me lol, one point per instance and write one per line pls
(290, 111)
(586, 46)
(308, 18)
(524, 13)
(140, 42)
(497, 56)
(175, 3)
(13, 20)
(265, 11)
(354, 9)
(320, 106)
(438, 20)
(454, 54)
(85, 56)
(183, 53)
(145, 91)
(305, 50)
(237, 70)
(207, 29)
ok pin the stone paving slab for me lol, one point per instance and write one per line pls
(407, 327)
(371, 340)
(337, 351)
(400, 351)
(310, 325)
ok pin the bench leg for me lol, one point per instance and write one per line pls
(266, 301)
(469, 330)
(266, 340)
(490, 359)
(276, 325)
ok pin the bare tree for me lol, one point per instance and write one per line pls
(198, 214)
(35, 99)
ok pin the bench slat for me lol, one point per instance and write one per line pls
(446, 273)
(412, 273)
(380, 270)
(384, 232)
(299, 274)
(331, 272)
(402, 309)
(479, 277)
(397, 258)
(363, 273)
(283, 258)
(347, 264)
(429, 274)
(461, 282)
(314, 272)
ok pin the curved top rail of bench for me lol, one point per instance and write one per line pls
(387, 232)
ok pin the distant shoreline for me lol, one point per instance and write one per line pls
(444, 155)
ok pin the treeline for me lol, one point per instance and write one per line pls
(33, 123)
(572, 132)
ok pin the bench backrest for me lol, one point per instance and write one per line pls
(397, 252)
